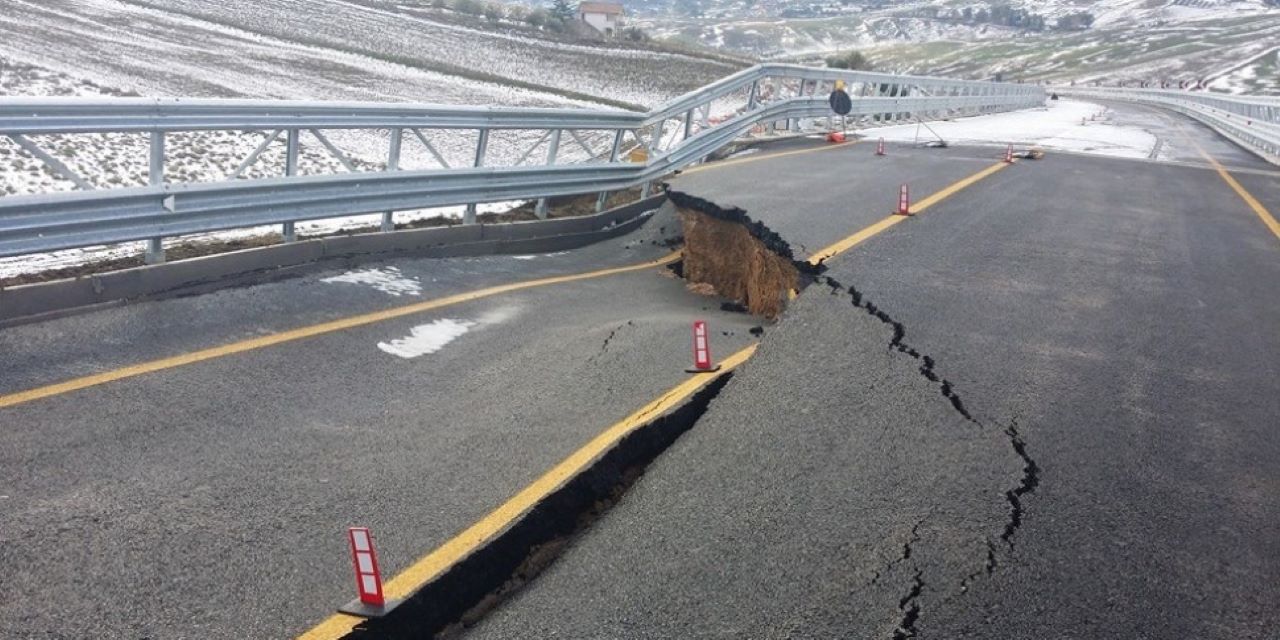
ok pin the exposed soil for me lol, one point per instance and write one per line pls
(728, 253)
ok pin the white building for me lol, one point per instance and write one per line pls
(605, 17)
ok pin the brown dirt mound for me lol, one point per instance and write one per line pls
(728, 257)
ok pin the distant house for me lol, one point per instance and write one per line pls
(605, 17)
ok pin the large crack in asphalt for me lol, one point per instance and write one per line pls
(478, 583)
(927, 368)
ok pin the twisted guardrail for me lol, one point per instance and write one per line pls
(547, 152)
(1252, 122)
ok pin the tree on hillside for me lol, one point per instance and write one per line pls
(853, 61)
(537, 18)
(470, 7)
(562, 10)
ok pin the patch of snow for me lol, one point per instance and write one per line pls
(388, 280)
(1057, 126)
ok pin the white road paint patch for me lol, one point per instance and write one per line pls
(543, 255)
(429, 338)
(388, 280)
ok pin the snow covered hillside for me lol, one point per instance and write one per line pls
(332, 49)
(1230, 44)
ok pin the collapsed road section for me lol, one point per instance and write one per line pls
(908, 416)
(726, 254)
(837, 487)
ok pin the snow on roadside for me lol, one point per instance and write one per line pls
(1058, 126)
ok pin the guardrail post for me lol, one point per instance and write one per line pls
(155, 177)
(603, 198)
(553, 148)
(751, 97)
(393, 164)
(290, 169)
(482, 143)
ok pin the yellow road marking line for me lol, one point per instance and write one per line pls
(437, 562)
(919, 207)
(1244, 194)
(1226, 176)
(308, 332)
(768, 156)
(855, 239)
(951, 190)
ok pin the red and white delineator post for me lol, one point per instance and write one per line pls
(880, 147)
(371, 602)
(701, 350)
(904, 202)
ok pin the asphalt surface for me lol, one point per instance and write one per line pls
(1109, 326)
(1095, 335)
(815, 199)
(211, 500)
(1180, 139)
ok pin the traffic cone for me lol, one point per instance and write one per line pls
(880, 147)
(904, 202)
(1008, 155)
(701, 350)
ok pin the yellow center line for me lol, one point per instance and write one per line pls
(1226, 176)
(437, 562)
(1244, 194)
(308, 332)
(769, 156)
(879, 227)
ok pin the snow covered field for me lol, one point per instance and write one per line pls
(1058, 126)
(332, 50)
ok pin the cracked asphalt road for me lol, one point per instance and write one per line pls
(210, 500)
(1047, 412)
(1110, 326)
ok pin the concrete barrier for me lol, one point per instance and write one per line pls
(44, 300)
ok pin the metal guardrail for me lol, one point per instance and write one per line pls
(1252, 122)
(759, 101)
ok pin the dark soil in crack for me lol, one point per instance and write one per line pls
(478, 583)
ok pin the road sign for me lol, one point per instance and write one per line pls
(840, 102)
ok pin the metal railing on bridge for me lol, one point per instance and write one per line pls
(468, 155)
(1252, 122)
